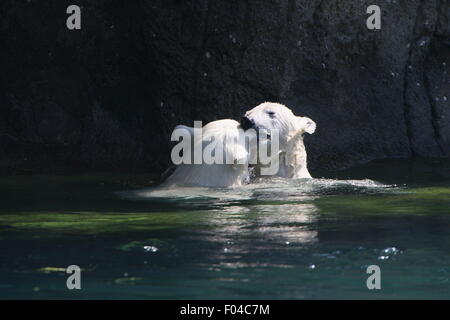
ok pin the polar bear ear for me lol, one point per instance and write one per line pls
(306, 124)
(188, 129)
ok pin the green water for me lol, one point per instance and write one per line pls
(275, 239)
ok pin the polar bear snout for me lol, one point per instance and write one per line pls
(246, 123)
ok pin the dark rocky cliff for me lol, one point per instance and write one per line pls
(108, 95)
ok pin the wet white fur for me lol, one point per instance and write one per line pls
(215, 175)
(292, 157)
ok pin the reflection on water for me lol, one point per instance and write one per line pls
(274, 209)
(275, 238)
(259, 217)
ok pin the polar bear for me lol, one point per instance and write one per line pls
(269, 116)
(236, 145)
(227, 139)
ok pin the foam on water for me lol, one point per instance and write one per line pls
(265, 189)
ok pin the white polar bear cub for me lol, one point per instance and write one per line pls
(270, 116)
(230, 170)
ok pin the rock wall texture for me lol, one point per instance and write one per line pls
(108, 95)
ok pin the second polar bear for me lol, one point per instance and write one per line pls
(270, 116)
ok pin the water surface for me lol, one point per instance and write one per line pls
(273, 239)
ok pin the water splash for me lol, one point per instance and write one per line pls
(264, 189)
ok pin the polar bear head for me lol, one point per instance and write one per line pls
(270, 116)
(279, 130)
